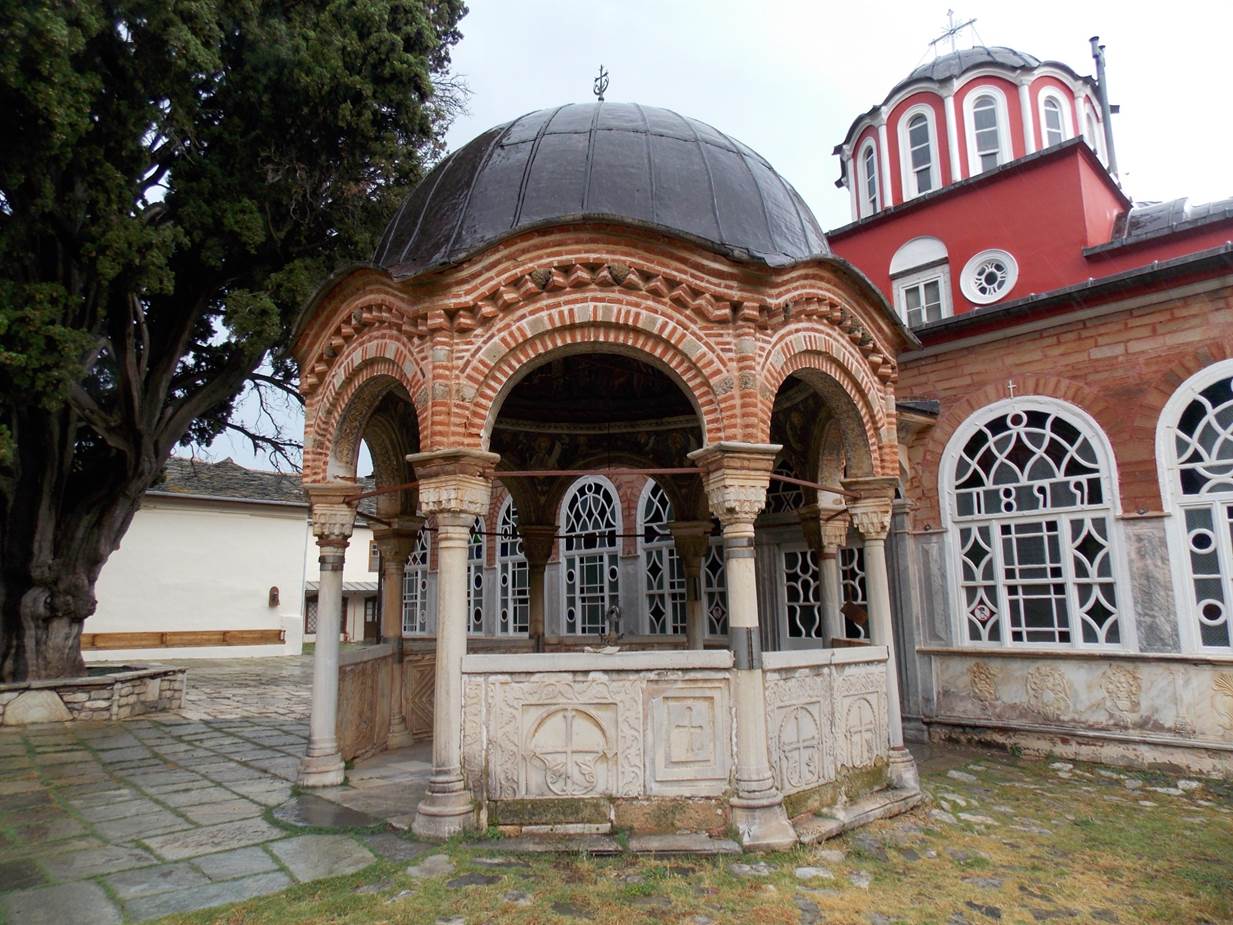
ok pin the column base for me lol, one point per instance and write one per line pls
(443, 815)
(761, 825)
(902, 769)
(399, 737)
(321, 770)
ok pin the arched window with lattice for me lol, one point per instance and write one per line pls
(784, 497)
(475, 578)
(590, 523)
(415, 589)
(1195, 447)
(514, 602)
(1030, 499)
(661, 566)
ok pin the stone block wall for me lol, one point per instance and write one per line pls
(119, 695)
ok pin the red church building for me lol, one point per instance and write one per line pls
(1064, 550)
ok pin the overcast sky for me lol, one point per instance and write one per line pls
(787, 77)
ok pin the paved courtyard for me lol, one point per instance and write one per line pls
(177, 815)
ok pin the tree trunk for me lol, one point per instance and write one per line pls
(59, 522)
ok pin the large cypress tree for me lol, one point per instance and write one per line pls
(176, 177)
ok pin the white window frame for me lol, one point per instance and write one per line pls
(715, 586)
(939, 272)
(477, 560)
(612, 590)
(967, 279)
(1110, 509)
(869, 204)
(1064, 105)
(513, 576)
(415, 603)
(1005, 152)
(821, 640)
(671, 584)
(1176, 505)
(906, 173)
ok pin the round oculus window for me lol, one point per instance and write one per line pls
(988, 276)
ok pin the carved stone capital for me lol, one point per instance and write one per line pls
(537, 542)
(736, 476)
(397, 541)
(458, 481)
(835, 531)
(871, 510)
(333, 517)
(826, 529)
(691, 538)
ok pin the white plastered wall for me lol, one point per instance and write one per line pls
(203, 564)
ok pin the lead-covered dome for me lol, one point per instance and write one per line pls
(638, 165)
(945, 67)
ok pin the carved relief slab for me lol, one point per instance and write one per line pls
(800, 724)
(1048, 691)
(1123, 690)
(861, 730)
(554, 735)
(983, 684)
(689, 740)
(473, 751)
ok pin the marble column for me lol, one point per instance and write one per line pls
(736, 476)
(332, 520)
(871, 515)
(396, 543)
(455, 487)
(692, 537)
(537, 548)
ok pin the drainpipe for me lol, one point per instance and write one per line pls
(1106, 111)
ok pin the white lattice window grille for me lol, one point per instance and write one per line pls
(852, 589)
(475, 578)
(661, 566)
(1031, 516)
(415, 589)
(590, 522)
(989, 276)
(1197, 426)
(310, 615)
(715, 588)
(784, 497)
(514, 603)
(802, 593)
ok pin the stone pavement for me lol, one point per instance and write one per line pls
(131, 821)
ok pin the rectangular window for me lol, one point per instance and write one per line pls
(922, 302)
(374, 558)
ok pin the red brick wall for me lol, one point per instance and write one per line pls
(1120, 368)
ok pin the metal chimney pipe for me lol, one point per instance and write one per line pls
(1106, 111)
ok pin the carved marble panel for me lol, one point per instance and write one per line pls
(861, 731)
(564, 735)
(473, 738)
(801, 727)
(689, 740)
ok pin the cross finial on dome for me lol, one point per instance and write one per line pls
(952, 29)
(601, 83)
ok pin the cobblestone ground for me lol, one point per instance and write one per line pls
(178, 815)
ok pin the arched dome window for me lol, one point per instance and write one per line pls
(1054, 119)
(475, 578)
(514, 602)
(661, 566)
(415, 589)
(920, 273)
(1195, 447)
(987, 129)
(870, 200)
(590, 522)
(1028, 485)
(918, 151)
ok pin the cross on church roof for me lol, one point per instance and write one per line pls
(601, 83)
(952, 29)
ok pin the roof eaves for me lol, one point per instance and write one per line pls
(1193, 224)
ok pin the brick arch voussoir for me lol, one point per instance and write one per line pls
(661, 347)
(335, 421)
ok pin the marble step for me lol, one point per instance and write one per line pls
(811, 829)
(655, 845)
